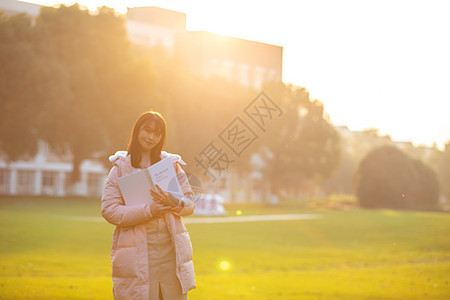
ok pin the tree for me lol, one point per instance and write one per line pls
(18, 120)
(355, 146)
(86, 85)
(341, 182)
(388, 178)
(428, 195)
(106, 86)
(303, 146)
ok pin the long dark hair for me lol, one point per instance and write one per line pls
(134, 149)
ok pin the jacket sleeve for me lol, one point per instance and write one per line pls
(113, 207)
(188, 199)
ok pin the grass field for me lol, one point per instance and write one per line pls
(47, 252)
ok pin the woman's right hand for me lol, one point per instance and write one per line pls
(158, 209)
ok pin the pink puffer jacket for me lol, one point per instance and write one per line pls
(129, 245)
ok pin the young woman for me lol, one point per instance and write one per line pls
(151, 249)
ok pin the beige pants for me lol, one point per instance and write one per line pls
(164, 283)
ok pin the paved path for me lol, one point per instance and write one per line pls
(206, 220)
(250, 218)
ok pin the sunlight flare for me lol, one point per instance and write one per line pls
(224, 265)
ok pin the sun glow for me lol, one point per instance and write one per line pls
(377, 64)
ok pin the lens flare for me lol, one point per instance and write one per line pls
(224, 265)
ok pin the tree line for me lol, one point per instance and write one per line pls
(69, 78)
(72, 78)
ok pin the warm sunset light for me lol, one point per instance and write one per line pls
(240, 149)
(361, 58)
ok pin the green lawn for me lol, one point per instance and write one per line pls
(47, 253)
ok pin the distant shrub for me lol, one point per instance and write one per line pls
(428, 196)
(388, 178)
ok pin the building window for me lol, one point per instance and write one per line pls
(213, 68)
(227, 69)
(243, 76)
(25, 182)
(271, 75)
(258, 77)
(224, 69)
(4, 181)
(49, 182)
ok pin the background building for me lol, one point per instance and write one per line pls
(247, 62)
(12, 7)
(47, 174)
(154, 26)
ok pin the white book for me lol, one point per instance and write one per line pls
(135, 187)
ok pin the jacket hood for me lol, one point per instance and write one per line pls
(164, 154)
(174, 157)
(118, 154)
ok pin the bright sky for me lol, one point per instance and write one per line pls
(374, 63)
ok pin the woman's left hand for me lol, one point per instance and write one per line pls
(164, 197)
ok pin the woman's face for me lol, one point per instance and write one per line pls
(148, 136)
